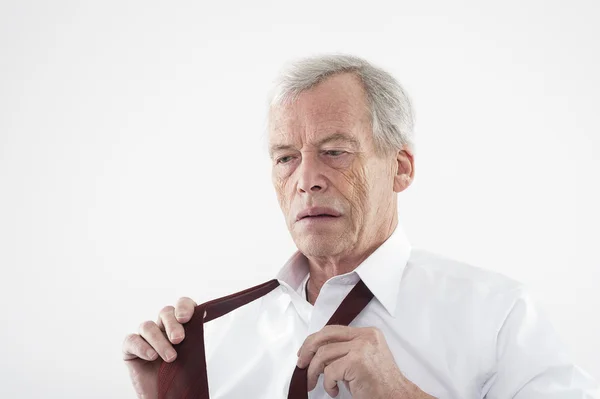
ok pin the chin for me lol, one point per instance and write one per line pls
(319, 246)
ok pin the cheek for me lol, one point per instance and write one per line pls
(280, 174)
(361, 190)
(281, 186)
(354, 188)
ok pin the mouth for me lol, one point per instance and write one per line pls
(318, 213)
(317, 220)
(319, 217)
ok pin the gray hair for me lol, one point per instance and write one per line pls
(391, 111)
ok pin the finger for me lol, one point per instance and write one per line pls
(325, 355)
(184, 309)
(156, 338)
(333, 373)
(135, 347)
(327, 334)
(169, 324)
(159, 321)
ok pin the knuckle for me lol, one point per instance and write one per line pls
(130, 337)
(184, 307)
(130, 341)
(166, 310)
(373, 335)
(310, 349)
(147, 326)
(185, 304)
(184, 300)
(321, 351)
(132, 345)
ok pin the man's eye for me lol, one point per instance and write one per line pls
(334, 153)
(285, 159)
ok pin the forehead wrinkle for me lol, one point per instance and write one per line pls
(333, 113)
(330, 121)
(333, 131)
(306, 120)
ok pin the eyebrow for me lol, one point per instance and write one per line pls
(333, 137)
(339, 137)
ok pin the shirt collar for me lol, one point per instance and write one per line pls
(294, 271)
(381, 271)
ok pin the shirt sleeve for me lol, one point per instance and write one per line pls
(531, 360)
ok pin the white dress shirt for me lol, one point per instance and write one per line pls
(455, 330)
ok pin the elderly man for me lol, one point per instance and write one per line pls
(341, 148)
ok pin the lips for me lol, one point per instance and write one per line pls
(317, 211)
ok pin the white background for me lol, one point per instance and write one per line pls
(133, 167)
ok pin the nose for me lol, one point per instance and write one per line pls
(310, 176)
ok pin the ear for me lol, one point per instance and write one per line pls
(405, 171)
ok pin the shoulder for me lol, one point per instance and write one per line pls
(467, 292)
(437, 269)
(469, 304)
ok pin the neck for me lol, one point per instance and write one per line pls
(322, 269)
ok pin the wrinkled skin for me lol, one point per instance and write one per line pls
(323, 154)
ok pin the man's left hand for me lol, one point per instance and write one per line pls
(361, 358)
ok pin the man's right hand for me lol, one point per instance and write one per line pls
(143, 353)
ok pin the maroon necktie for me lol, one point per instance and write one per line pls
(186, 377)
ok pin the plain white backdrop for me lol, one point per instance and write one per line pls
(133, 167)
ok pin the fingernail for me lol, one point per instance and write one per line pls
(176, 337)
(180, 315)
(151, 354)
(170, 355)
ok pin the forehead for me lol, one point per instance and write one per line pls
(337, 103)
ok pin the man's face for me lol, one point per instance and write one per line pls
(335, 190)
